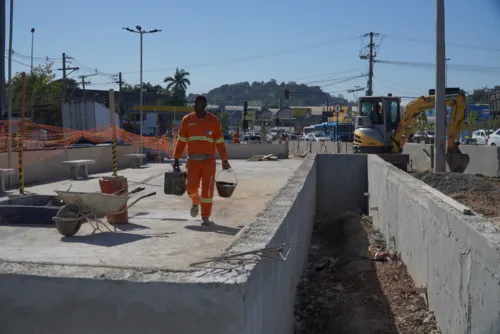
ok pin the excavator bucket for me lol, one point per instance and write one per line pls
(457, 161)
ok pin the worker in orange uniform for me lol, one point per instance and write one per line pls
(236, 137)
(202, 132)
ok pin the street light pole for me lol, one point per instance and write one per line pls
(32, 40)
(440, 138)
(141, 32)
(9, 98)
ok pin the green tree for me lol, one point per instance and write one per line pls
(179, 81)
(471, 122)
(43, 94)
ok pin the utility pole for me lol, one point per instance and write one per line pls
(83, 77)
(440, 138)
(446, 72)
(370, 54)
(3, 22)
(120, 83)
(9, 107)
(141, 32)
(64, 69)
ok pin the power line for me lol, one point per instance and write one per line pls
(344, 80)
(16, 61)
(224, 62)
(471, 68)
(457, 45)
(26, 57)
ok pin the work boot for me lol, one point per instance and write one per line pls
(194, 211)
(205, 221)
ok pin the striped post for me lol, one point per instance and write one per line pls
(112, 114)
(21, 134)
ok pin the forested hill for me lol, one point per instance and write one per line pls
(267, 94)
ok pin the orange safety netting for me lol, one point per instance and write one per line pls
(50, 140)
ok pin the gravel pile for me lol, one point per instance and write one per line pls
(452, 183)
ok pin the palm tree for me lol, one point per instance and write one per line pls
(179, 81)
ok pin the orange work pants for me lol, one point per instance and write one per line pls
(203, 170)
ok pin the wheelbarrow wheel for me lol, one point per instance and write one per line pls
(66, 228)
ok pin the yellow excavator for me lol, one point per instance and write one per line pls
(380, 128)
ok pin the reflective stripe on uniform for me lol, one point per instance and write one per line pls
(206, 200)
(200, 157)
(193, 195)
(220, 140)
(201, 138)
(179, 138)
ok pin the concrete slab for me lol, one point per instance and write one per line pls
(161, 234)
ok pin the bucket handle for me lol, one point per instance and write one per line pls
(229, 170)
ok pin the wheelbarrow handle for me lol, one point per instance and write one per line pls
(137, 190)
(138, 199)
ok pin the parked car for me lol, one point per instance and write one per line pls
(423, 136)
(481, 136)
(494, 138)
(252, 139)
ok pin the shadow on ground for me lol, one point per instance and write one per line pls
(105, 239)
(214, 228)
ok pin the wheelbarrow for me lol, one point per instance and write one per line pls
(80, 207)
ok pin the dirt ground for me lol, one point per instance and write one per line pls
(478, 192)
(346, 291)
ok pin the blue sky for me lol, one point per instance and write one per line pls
(288, 40)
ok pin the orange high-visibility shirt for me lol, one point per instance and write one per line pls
(236, 138)
(201, 136)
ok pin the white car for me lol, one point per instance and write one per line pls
(480, 136)
(313, 137)
(494, 138)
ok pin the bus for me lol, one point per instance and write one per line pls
(341, 131)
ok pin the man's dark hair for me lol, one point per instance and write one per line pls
(200, 97)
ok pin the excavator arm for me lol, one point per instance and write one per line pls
(422, 104)
(456, 160)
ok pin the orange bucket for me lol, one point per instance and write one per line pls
(111, 185)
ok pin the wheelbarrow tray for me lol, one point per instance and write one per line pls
(94, 203)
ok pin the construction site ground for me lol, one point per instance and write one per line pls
(478, 192)
(346, 291)
(161, 234)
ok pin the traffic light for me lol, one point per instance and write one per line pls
(245, 108)
(287, 93)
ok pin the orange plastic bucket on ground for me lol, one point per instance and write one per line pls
(110, 185)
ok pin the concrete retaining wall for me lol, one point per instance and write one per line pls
(342, 183)
(43, 166)
(246, 151)
(329, 147)
(484, 160)
(455, 256)
(269, 297)
(253, 298)
(103, 306)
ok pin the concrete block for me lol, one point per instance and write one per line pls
(342, 183)
(453, 255)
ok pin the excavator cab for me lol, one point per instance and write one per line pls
(378, 119)
(381, 128)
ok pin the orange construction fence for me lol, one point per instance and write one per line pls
(51, 139)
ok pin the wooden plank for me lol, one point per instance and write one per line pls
(448, 200)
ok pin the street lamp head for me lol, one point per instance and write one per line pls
(32, 30)
(138, 28)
